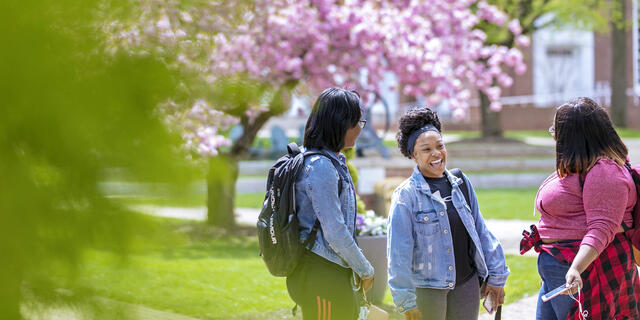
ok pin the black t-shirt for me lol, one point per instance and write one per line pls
(461, 240)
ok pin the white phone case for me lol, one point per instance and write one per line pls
(554, 293)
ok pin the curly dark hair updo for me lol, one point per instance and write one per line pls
(411, 121)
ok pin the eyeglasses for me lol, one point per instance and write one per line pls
(362, 123)
(552, 130)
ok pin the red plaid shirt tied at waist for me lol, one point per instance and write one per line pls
(611, 288)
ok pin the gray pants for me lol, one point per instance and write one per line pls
(461, 303)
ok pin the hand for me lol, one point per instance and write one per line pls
(367, 284)
(574, 280)
(498, 295)
(413, 314)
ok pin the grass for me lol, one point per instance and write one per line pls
(628, 133)
(494, 203)
(181, 201)
(206, 276)
(250, 200)
(507, 203)
(188, 268)
(242, 200)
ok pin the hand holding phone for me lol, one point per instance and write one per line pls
(488, 304)
(556, 292)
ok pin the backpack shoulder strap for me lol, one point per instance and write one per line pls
(311, 239)
(636, 181)
(465, 189)
(310, 153)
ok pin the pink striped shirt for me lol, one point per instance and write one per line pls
(593, 214)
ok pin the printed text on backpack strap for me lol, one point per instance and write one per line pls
(465, 190)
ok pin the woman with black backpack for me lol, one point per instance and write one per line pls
(325, 281)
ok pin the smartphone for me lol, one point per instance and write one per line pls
(488, 304)
(555, 292)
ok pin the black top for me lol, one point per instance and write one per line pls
(461, 239)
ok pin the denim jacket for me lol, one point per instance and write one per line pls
(317, 197)
(419, 245)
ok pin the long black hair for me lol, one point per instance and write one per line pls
(411, 121)
(584, 134)
(334, 112)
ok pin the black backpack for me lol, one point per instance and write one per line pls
(278, 232)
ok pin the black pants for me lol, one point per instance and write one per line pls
(461, 303)
(323, 289)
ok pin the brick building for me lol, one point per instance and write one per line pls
(563, 63)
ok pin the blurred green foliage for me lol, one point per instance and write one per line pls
(70, 112)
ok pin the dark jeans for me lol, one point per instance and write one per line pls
(553, 274)
(461, 303)
(323, 289)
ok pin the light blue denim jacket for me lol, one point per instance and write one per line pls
(317, 197)
(420, 248)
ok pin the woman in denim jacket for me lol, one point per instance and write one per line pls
(321, 283)
(438, 244)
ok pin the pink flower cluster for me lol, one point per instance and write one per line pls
(433, 47)
(200, 126)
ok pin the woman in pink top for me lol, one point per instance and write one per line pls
(583, 205)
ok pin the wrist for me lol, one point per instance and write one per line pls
(368, 275)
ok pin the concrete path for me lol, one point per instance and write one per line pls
(523, 309)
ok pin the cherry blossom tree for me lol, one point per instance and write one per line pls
(596, 15)
(249, 55)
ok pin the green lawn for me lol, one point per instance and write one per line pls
(188, 268)
(182, 201)
(205, 276)
(243, 200)
(507, 203)
(494, 203)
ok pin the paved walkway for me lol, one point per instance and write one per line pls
(524, 309)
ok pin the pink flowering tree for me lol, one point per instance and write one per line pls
(592, 15)
(521, 15)
(247, 56)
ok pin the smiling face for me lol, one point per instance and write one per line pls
(430, 154)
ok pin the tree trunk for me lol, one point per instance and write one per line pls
(221, 190)
(278, 105)
(619, 70)
(491, 124)
(223, 169)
